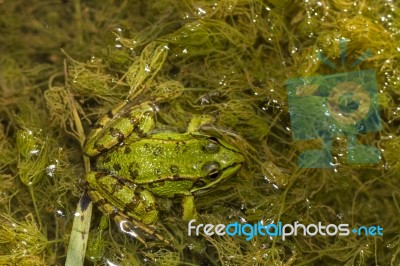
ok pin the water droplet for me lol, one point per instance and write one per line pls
(50, 170)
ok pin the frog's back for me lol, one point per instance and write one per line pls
(159, 157)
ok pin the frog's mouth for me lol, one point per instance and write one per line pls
(202, 185)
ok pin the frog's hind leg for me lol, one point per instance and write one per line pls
(130, 206)
(102, 122)
(120, 123)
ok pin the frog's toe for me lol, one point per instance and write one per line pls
(129, 226)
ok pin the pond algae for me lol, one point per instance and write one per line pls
(69, 61)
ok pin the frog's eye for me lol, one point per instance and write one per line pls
(212, 170)
(213, 175)
(212, 146)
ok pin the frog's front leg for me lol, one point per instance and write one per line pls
(118, 125)
(188, 208)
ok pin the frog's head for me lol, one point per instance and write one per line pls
(220, 160)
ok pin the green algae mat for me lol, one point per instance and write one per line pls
(200, 132)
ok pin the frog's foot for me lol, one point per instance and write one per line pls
(119, 124)
(199, 121)
(138, 230)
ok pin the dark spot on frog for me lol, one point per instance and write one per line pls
(146, 146)
(174, 169)
(117, 187)
(150, 208)
(157, 151)
(140, 132)
(131, 205)
(117, 167)
(133, 165)
(109, 209)
(133, 173)
(117, 133)
(99, 175)
(132, 120)
(177, 146)
(99, 147)
(127, 150)
(134, 203)
(200, 183)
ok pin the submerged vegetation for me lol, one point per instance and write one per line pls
(64, 64)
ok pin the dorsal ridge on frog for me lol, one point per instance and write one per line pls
(135, 164)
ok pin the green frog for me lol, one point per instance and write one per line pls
(136, 164)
